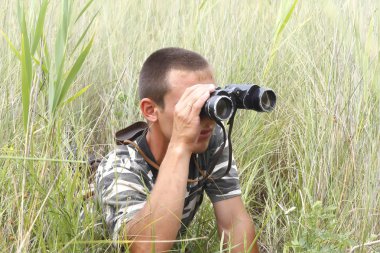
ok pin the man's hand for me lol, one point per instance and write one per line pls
(186, 119)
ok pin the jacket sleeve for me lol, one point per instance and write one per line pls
(121, 188)
(220, 186)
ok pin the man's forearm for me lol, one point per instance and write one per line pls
(160, 218)
(240, 238)
(243, 235)
(235, 225)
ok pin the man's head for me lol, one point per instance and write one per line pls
(164, 77)
(153, 82)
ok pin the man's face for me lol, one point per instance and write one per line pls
(178, 81)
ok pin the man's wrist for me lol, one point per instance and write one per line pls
(179, 148)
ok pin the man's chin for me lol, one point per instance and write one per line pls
(201, 147)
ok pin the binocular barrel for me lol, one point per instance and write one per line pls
(223, 102)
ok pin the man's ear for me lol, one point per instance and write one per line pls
(149, 109)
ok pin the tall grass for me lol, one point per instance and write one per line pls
(309, 170)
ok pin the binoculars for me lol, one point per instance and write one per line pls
(223, 102)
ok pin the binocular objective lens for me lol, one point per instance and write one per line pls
(265, 101)
(223, 108)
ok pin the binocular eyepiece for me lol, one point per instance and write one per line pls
(223, 102)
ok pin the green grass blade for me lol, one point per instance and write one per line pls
(26, 75)
(13, 48)
(20, 12)
(46, 54)
(43, 159)
(26, 66)
(66, 17)
(24, 30)
(60, 51)
(73, 72)
(84, 9)
(286, 20)
(277, 36)
(85, 32)
(38, 62)
(51, 93)
(78, 94)
(60, 45)
(39, 26)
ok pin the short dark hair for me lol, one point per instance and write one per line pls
(153, 76)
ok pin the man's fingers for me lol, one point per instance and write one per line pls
(196, 87)
(200, 100)
(197, 106)
(192, 95)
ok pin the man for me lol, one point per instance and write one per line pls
(146, 205)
